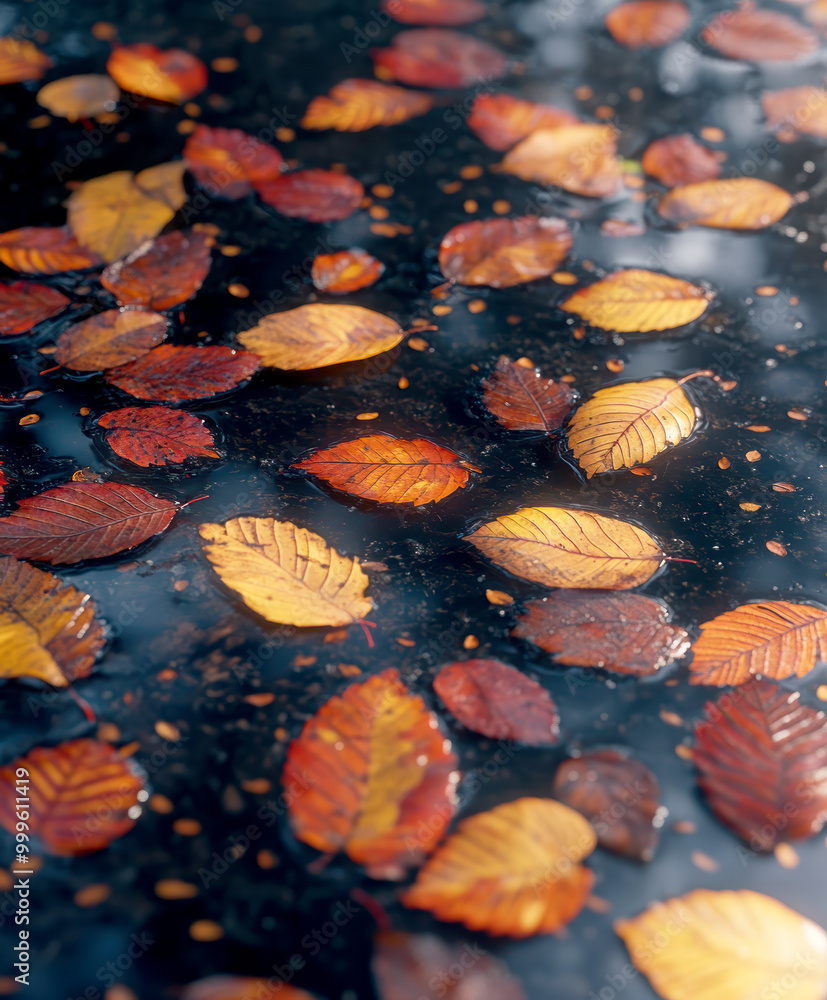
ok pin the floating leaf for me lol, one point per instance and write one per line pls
(241, 988)
(154, 435)
(680, 159)
(501, 120)
(314, 195)
(435, 12)
(47, 628)
(372, 775)
(713, 945)
(511, 871)
(493, 699)
(568, 547)
(581, 159)
(727, 203)
(21, 60)
(522, 399)
(317, 335)
(45, 250)
(773, 638)
(81, 794)
(170, 75)
(345, 271)
(24, 304)
(762, 764)
(504, 252)
(801, 108)
(174, 374)
(624, 633)
(285, 573)
(439, 57)
(229, 162)
(110, 338)
(647, 23)
(759, 35)
(80, 520)
(81, 96)
(356, 105)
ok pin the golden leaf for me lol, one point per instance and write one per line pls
(579, 158)
(21, 60)
(356, 105)
(727, 203)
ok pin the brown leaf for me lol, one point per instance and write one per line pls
(801, 108)
(581, 159)
(680, 159)
(171, 75)
(154, 435)
(81, 96)
(173, 374)
(501, 120)
(314, 195)
(229, 162)
(345, 271)
(356, 105)
(24, 304)
(439, 57)
(759, 35)
(727, 203)
(647, 23)
(21, 60)
(435, 12)
(522, 399)
(110, 338)
(45, 250)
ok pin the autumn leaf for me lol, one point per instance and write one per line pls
(241, 988)
(154, 435)
(647, 23)
(761, 756)
(680, 159)
(568, 547)
(24, 304)
(435, 12)
(493, 699)
(177, 373)
(438, 57)
(170, 75)
(501, 120)
(345, 271)
(372, 775)
(318, 335)
(21, 60)
(356, 105)
(727, 203)
(83, 96)
(110, 338)
(314, 195)
(773, 638)
(623, 633)
(801, 108)
(229, 162)
(48, 629)
(711, 945)
(579, 158)
(523, 399)
(285, 573)
(513, 870)
(81, 794)
(759, 36)
(504, 252)
(45, 250)
(80, 521)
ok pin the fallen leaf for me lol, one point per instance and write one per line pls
(24, 304)
(81, 96)
(759, 36)
(81, 793)
(345, 271)
(504, 252)
(80, 521)
(439, 57)
(523, 399)
(680, 159)
(751, 941)
(801, 108)
(154, 435)
(493, 699)
(229, 162)
(318, 335)
(773, 638)
(647, 23)
(619, 796)
(623, 633)
(356, 105)
(727, 203)
(240, 988)
(568, 547)
(314, 195)
(513, 870)
(45, 250)
(21, 60)
(48, 629)
(174, 374)
(435, 12)
(171, 75)
(621, 227)
(110, 338)
(501, 120)
(579, 158)
(372, 775)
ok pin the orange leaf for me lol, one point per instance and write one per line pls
(801, 108)
(110, 338)
(230, 162)
(728, 203)
(24, 304)
(175, 373)
(314, 195)
(356, 105)
(439, 57)
(759, 35)
(522, 399)
(647, 23)
(680, 159)
(435, 12)
(81, 96)
(45, 250)
(154, 435)
(345, 271)
(242, 988)
(501, 120)
(372, 775)
(581, 159)
(21, 60)
(173, 75)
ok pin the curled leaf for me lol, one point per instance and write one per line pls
(229, 162)
(44, 250)
(81, 96)
(154, 435)
(439, 57)
(24, 304)
(435, 12)
(171, 75)
(523, 399)
(680, 159)
(501, 120)
(110, 338)
(759, 35)
(578, 158)
(356, 105)
(20, 60)
(173, 373)
(728, 203)
(314, 195)
(345, 271)
(641, 24)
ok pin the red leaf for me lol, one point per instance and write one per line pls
(522, 399)
(79, 521)
(171, 75)
(110, 338)
(647, 23)
(315, 195)
(154, 435)
(680, 159)
(438, 12)
(493, 699)
(762, 763)
(501, 120)
(229, 161)
(45, 250)
(24, 304)
(345, 271)
(626, 633)
(171, 374)
(438, 57)
(759, 36)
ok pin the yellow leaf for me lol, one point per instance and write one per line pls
(356, 105)
(579, 158)
(739, 945)
(731, 203)
(23, 653)
(286, 573)
(567, 547)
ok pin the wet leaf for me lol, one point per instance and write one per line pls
(568, 547)
(439, 57)
(80, 521)
(161, 274)
(513, 870)
(388, 469)
(581, 159)
(229, 162)
(773, 638)
(801, 108)
(619, 796)
(171, 75)
(285, 573)
(727, 203)
(501, 120)
(47, 628)
(314, 195)
(647, 23)
(115, 214)
(110, 338)
(240, 988)
(762, 764)
(372, 775)
(356, 105)
(173, 374)
(81, 96)
(493, 699)
(345, 271)
(711, 945)
(45, 250)
(624, 633)
(317, 335)
(523, 399)
(680, 159)
(504, 252)
(24, 304)
(435, 12)
(21, 60)
(759, 35)
(154, 435)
